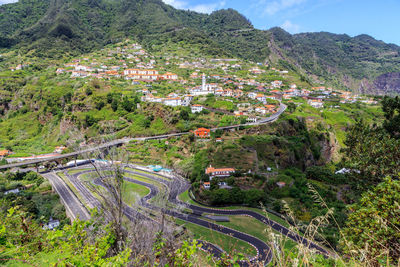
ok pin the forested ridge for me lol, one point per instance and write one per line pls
(78, 26)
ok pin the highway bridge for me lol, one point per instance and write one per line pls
(119, 142)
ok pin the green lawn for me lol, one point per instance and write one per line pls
(255, 228)
(227, 243)
(131, 191)
(184, 197)
(155, 174)
(77, 171)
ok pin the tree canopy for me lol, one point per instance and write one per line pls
(373, 227)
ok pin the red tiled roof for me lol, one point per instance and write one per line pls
(212, 170)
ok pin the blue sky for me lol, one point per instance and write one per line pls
(378, 18)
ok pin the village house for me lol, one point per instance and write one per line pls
(187, 99)
(227, 92)
(59, 149)
(281, 184)
(219, 172)
(173, 101)
(207, 185)
(261, 98)
(194, 75)
(141, 74)
(270, 108)
(237, 93)
(202, 133)
(315, 103)
(4, 153)
(52, 224)
(276, 84)
(273, 97)
(60, 70)
(169, 76)
(252, 95)
(305, 92)
(173, 95)
(252, 119)
(83, 68)
(79, 74)
(219, 92)
(261, 110)
(196, 108)
(286, 96)
(292, 92)
(256, 71)
(113, 73)
(71, 65)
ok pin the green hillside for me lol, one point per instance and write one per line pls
(78, 26)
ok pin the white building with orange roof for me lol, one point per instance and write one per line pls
(219, 172)
(237, 93)
(79, 74)
(219, 92)
(252, 95)
(194, 75)
(227, 92)
(270, 108)
(169, 76)
(261, 110)
(172, 101)
(207, 185)
(261, 98)
(113, 73)
(196, 108)
(305, 92)
(276, 84)
(316, 103)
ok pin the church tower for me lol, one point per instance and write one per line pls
(203, 85)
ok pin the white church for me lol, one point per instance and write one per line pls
(205, 88)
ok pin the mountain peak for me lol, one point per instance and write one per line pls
(229, 19)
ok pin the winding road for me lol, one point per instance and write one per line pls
(177, 185)
(122, 141)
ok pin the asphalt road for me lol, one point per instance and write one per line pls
(122, 141)
(184, 185)
(72, 204)
(264, 253)
(177, 186)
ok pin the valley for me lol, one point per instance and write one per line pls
(133, 133)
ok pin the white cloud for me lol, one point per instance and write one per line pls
(271, 7)
(201, 8)
(175, 3)
(2, 2)
(290, 27)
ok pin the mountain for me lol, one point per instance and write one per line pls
(54, 28)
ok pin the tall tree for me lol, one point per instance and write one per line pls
(373, 227)
(391, 108)
(372, 153)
